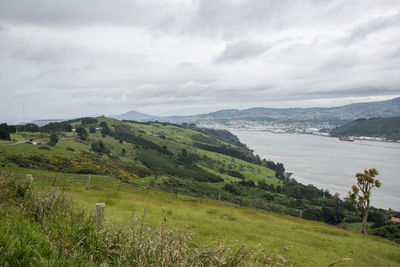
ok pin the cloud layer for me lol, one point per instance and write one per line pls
(74, 58)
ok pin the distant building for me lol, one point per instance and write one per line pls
(311, 130)
(396, 220)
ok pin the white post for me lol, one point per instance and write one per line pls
(55, 191)
(29, 177)
(100, 211)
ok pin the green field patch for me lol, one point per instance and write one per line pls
(312, 243)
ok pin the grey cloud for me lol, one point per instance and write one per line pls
(224, 19)
(240, 50)
(349, 92)
(227, 19)
(97, 57)
(46, 55)
(394, 53)
(362, 31)
(184, 66)
(75, 12)
(339, 61)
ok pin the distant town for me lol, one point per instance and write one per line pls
(320, 129)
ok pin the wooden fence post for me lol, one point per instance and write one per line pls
(119, 186)
(54, 180)
(88, 183)
(148, 187)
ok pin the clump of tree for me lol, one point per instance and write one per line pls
(235, 174)
(53, 139)
(5, 131)
(86, 121)
(56, 127)
(277, 167)
(29, 127)
(360, 194)
(82, 133)
(104, 129)
(99, 147)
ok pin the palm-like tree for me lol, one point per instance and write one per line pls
(360, 194)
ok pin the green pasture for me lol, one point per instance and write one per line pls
(309, 243)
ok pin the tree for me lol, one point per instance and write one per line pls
(262, 185)
(92, 129)
(360, 194)
(82, 133)
(56, 127)
(104, 130)
(53, 139)
(99, 147)
(88, 120)
(29, 127)
(4, 131)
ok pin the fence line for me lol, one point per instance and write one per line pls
(116, 184)
(65, 180)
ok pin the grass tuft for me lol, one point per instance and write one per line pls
(42, 227)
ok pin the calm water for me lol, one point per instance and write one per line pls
(332, 164)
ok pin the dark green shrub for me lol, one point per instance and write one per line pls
(314, 214)
(53, 139)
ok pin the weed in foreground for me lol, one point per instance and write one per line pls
(44, 228)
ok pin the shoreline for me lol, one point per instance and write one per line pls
(305, 163)
(356, 138)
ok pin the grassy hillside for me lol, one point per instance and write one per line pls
(180, 159)
(305, 242)
(380, 127)
(186, 159)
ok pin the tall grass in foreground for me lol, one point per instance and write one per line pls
(43, 228)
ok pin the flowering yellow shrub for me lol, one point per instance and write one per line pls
(81, 163)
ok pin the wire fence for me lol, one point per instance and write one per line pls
(88, 182)
(64, 180)
(94, 182)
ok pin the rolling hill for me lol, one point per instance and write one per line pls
(376, 127)
(334, 116)
(133, 116)
(204, 178)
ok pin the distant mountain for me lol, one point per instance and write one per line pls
(382, 127)
(333, 117)
(134, 116)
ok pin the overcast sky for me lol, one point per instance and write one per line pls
(72, 58)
